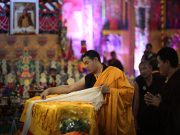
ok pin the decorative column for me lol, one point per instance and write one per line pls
(163, 21)
(131, 18)
(60, 29)
(88, 23)
(142, 16)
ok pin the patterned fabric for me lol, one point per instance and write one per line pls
(51, 110)
(4, 18)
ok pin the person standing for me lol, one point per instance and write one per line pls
(146, 117)
(148, 54)
(169, 100)
(115, 116)
(115, 62)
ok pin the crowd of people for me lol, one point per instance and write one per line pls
(156, 105)
(150, 107)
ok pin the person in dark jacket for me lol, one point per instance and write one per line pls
(115, 62)
(146, 117)
(169, 100)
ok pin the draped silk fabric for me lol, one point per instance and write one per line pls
(42, 117)
(115, 116)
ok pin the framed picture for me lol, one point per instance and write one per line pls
(24, 17)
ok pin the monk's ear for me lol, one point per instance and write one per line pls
(96, 59)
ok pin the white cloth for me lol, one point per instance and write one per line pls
(91, 95)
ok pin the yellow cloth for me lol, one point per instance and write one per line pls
(46, 116)
(115, 116)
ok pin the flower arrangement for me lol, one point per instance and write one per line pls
(74, 126)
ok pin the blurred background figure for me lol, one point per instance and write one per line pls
(115, 62)
(148, 54)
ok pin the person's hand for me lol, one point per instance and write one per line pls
(44, 93)
(104, 89)
(151, 99)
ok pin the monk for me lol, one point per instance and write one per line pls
(25, 20)
(115, 116)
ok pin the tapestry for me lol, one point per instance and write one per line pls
(4, 17)
(49, 16)
(155, 15)
(116, 13)
(172, 14)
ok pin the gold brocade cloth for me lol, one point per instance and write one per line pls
(46, 116)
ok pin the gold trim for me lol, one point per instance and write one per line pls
(107, 32)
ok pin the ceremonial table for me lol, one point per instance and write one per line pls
(61, 118)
